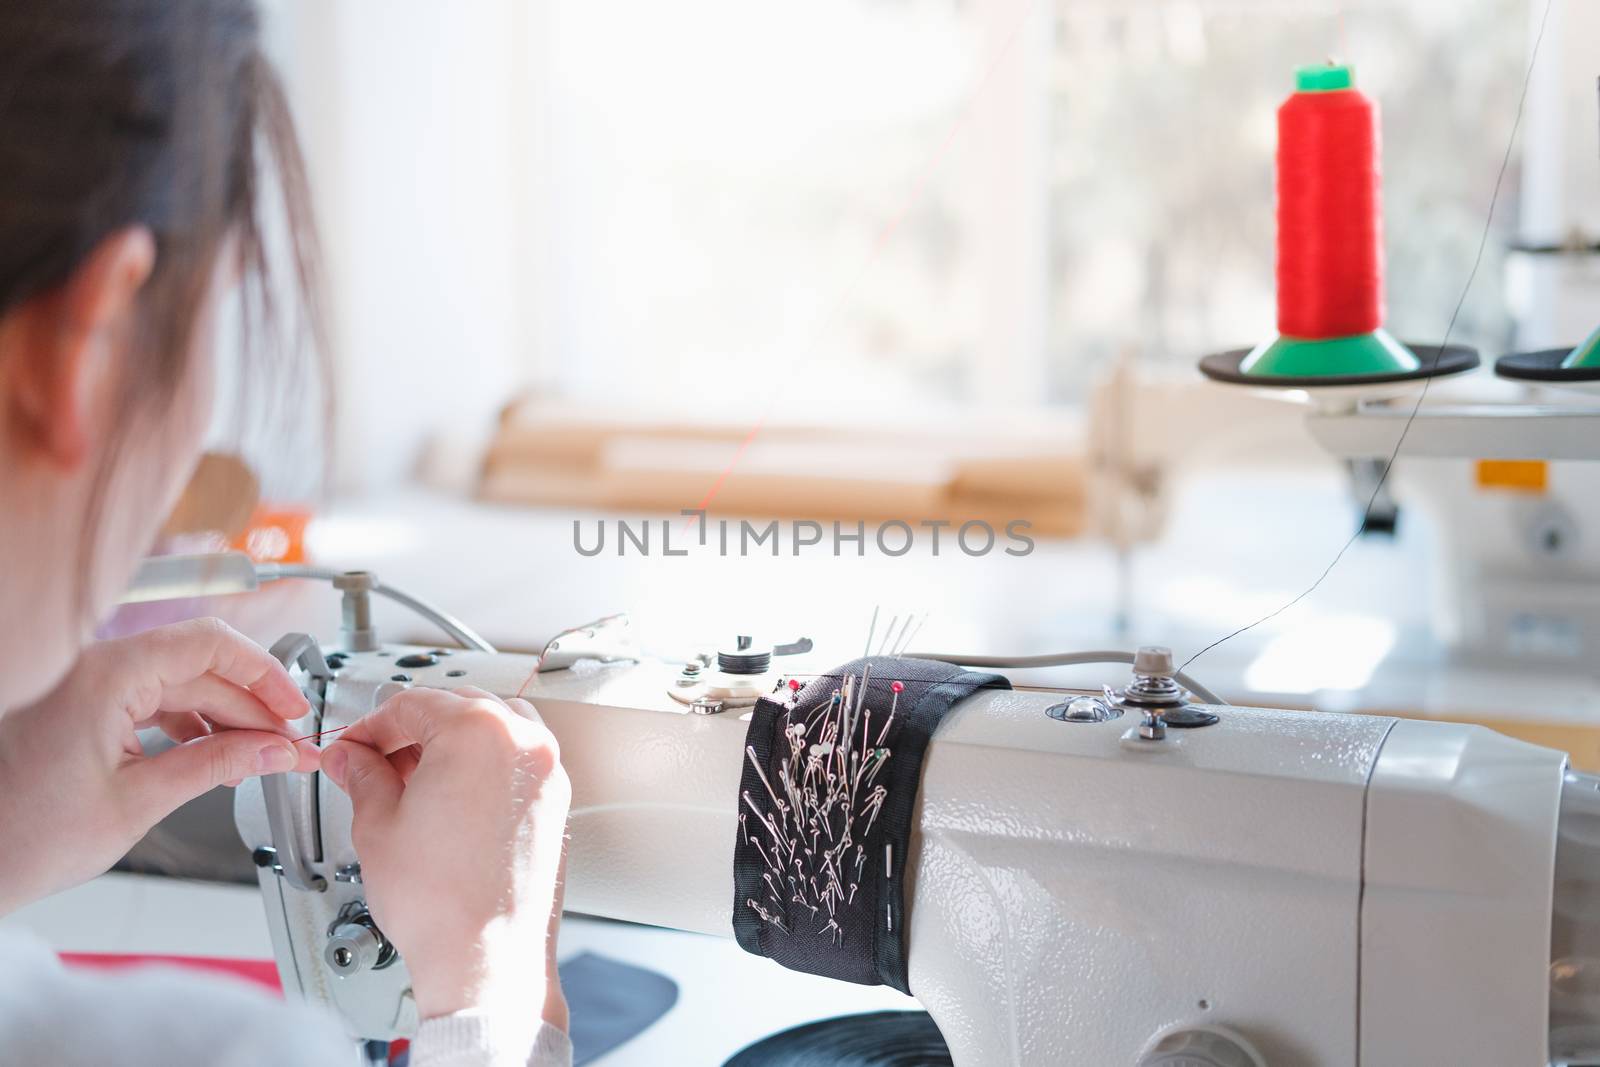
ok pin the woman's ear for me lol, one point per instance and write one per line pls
(61, 351)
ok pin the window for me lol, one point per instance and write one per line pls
(1057, 185)
(851, 209)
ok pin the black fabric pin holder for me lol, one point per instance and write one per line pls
(826, 801)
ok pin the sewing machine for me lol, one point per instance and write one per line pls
(1090, 886)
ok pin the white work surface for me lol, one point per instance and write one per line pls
(1239, 545)
(727, 998)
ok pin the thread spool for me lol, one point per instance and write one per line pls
(1330, 252)
(1330, 236)
(1330, 225)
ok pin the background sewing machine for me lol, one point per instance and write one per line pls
(1494, 487)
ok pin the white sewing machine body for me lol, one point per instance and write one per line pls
(1329, 889)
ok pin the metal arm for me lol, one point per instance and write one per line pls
(1063, 659)
(271, 572)
(222, 573)
(292, 649)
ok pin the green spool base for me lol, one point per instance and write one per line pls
(1359, 355)
(1367, 359)
(1586, 355)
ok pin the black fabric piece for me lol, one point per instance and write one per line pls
(1436, 362)
(807, 840)
(874, 1039)
(611, 1002)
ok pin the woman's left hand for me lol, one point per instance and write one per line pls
(77, 791)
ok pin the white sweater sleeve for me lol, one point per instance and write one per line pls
(169, 1017)
(150, 1017)
(471, 1039)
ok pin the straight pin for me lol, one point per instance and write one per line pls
(750, 751)
(888, 635)
(907, 638)
(766, 915)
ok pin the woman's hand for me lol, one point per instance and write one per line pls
(460, 816)
(77, 791)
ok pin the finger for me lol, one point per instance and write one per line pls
(373, 785)
(224, 703)
(155, 787)
(472, 692)
(310, 759)
(413, 717)
(521, 707)
(524, 710)
(184, 651)
(310, 756)
(181, 726)
(405, 761)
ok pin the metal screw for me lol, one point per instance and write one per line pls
(1151, 726)
(706, 706)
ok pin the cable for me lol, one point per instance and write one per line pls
(1472, 275)
(271, 572)
(1064, 659)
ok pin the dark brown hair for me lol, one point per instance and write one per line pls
(156, 113)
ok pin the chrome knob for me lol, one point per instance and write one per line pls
(1084, 709)
(1153, 661)
(355, 945)
(1202, 1046)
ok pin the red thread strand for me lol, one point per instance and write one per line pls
(321, 734)
(1330, 222)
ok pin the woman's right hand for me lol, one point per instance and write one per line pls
(460, 820)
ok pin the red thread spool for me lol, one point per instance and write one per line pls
(1330, 223)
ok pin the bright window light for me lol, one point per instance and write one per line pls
(1334, 652)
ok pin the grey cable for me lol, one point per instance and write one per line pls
(271, 572)
(1064, 659)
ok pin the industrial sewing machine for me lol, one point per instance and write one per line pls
(1090, 885)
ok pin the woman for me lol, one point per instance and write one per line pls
(129, 185)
